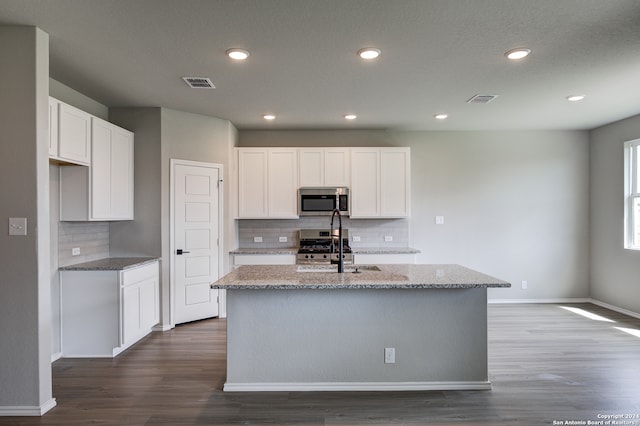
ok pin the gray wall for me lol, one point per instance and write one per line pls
(515, 203)
(614, 270)
(25, 300)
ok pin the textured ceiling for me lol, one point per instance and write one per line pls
(303, 67)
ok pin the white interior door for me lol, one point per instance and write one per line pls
(195, 240)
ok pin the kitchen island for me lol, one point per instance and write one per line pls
(390, 327)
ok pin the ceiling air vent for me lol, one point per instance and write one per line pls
(199, 82)
(481, 99)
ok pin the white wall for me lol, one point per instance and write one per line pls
(515, 203)
(614, 270)
(25, 300)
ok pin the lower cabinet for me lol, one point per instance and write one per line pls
(105, 312)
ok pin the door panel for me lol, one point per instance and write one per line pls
(196, 234)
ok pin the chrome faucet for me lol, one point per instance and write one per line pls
(340, 243)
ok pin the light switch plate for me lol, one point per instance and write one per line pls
(17, 226)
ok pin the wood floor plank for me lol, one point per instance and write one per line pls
(546, 364)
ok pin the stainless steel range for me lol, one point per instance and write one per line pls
(316, 247)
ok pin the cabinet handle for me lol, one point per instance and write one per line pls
(180, 251)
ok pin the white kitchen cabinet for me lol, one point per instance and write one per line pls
(252, 182)
(104, 312)
(140, 302)
(104, 191)
(69, 133)
(327, 167)
(267, 183)
(380, 182)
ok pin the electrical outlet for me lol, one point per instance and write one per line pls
(257, 239)
(439, 220)
(356, 238)
(388, 238)
(282, 239)
(524, 285)
(17, 226)
(75, 251)
(389, 355)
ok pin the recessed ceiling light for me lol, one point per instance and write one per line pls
(238, 54)
(440, 116)
(350, 117)
(269, 117)
(575, 98)
(369, 53)
(517, 53)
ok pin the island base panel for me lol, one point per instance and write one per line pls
(335, 339)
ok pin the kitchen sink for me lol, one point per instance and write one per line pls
(334, 268)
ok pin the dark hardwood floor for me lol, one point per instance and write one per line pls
(546, 364)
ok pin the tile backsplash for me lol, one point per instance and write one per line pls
(92, 238)
(372, 232)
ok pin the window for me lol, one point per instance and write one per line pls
(632, 194)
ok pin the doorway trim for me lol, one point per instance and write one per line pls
(172, 249)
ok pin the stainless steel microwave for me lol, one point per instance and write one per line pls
(322, 201)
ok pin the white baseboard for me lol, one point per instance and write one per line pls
(162, 327)
(558, 300)
(31, 411)
(354, 386)
(615, 308)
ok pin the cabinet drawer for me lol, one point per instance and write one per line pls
(136, 275)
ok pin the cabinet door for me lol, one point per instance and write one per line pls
(149, 315)
(394, 182)
(100, 188)
(337, 164)
(74, 134)
(53, 127)
(130, 313)
(311, 166)
(252, 183)
(111, 172)
(283, 183)
(365, 183)
(121, 174)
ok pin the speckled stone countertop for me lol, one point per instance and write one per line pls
(110, 264)
(289, 250)
(283, 277)
(384, 250)
(356, 250)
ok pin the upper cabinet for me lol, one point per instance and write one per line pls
(380, 182)
(267, 183)
(69, 133)
(324, 167)
(268, 180)
(103, 191)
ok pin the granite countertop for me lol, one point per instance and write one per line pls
(110, 264)
(355, 250)
(288, 250)
(282, 277)
(384, 250)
